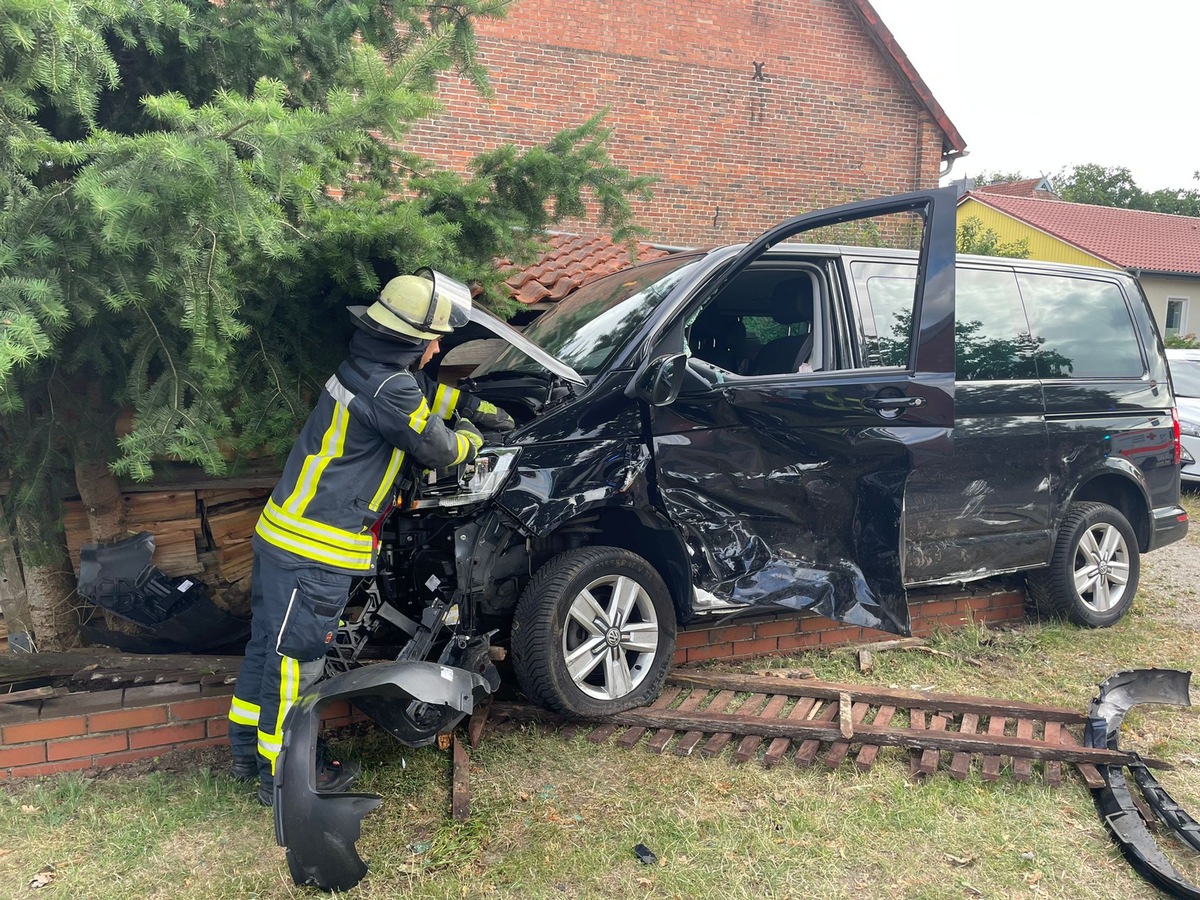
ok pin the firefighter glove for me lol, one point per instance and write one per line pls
(490, 417)
(468, 432)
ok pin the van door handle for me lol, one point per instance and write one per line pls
(892, 406)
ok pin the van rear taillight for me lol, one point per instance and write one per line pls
(1178, 438)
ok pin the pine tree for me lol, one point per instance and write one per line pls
(190, 194)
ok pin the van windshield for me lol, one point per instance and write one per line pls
(590, 325)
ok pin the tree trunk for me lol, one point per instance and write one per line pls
(14, 601)
(101, 496)
(50, 585)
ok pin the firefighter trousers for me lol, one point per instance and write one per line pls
(295, 615)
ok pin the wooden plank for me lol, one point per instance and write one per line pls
(827, 731)
(717, 742)
(1023, 765)
(916, 721)
(664, 701)
(991, 764)
(928, 761)
(807, 751)
(460, 798)
(602, 733)
(868, 753)
(659, 740)
(960, 764)
(37, 693)
(569, 731)
(837, 752)
(233, 525)
(477, 722)
(1052, 768)
(688, 743)
(779, 746)
(159, 506)
(748, 746)
(214, 497)
(877, 696)
(1089, 773)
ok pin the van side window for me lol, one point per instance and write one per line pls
(991, 335)
(992, 341)
(1082, 326)
(886, 292)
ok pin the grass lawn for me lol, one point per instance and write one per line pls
(560, 819)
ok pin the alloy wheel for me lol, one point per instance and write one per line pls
(610, 637)
(1101, 567)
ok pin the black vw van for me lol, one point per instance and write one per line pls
(806, 426)
(776, 425)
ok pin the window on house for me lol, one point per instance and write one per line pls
(1176, 316)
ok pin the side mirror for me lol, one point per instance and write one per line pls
(659, 380)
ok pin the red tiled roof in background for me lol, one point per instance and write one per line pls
(1027, 187)
(571, 261)
(1129, 238)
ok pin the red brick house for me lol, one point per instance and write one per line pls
(749, 111)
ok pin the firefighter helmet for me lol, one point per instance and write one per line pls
(420, 307)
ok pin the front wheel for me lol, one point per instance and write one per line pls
(1094, 571)
(593, 633)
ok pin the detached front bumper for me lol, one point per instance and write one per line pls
(319, 829)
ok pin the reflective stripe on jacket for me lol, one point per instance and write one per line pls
(343, 466)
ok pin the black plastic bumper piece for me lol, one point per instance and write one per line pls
(1118, 694)
(175, 614)
(318, 829)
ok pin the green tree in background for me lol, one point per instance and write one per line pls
(170, 239)
(974, 237)
(1114, 186)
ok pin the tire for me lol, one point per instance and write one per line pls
(570, 655)
(1094, 571)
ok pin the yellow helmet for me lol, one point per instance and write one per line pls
(423, 306)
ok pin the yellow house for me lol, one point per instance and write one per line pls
(1161, 251)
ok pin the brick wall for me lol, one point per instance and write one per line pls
(88, 729)
(830, 120)
(776, 635)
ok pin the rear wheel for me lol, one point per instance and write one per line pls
(1094, 571)
(594, 632)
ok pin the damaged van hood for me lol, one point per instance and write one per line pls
(501, 329)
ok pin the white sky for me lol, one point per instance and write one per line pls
(1036, 86)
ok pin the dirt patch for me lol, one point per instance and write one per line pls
(180, 761)
(1170, 586)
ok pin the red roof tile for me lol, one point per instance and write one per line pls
(1129, 238)
(1027, 187)
(571, 261)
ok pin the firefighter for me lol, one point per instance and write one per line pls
(314, 535)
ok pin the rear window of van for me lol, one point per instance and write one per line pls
(1082, 327)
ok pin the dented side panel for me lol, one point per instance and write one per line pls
(983, 505)
(792, 493)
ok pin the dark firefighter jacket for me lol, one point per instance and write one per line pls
(372, 414)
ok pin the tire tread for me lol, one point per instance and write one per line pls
(533, 620)
(1052, 589)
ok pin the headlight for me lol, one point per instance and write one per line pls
(1191, 429)
(492, 468)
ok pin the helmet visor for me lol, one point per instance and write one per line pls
(450, 305)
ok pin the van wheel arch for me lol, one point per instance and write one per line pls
(646, 533)
(1123, 494)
